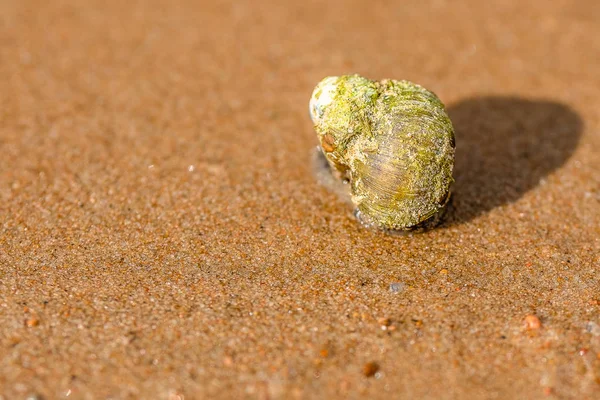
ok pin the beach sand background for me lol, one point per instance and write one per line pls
(162, 234)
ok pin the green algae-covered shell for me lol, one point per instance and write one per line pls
(394, 143)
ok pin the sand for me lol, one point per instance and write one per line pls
(162, 234)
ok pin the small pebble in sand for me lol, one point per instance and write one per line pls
(370, 369)
(32, 322)
(532, 322)
(176, 395)
(593, 328)
(386, 324)
(396, 287)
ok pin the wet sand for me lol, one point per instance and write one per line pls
(162, 233)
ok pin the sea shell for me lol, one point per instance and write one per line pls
(393, 142)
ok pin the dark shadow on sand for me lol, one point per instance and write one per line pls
(504, 147)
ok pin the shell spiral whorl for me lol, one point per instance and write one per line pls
(393, 141)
